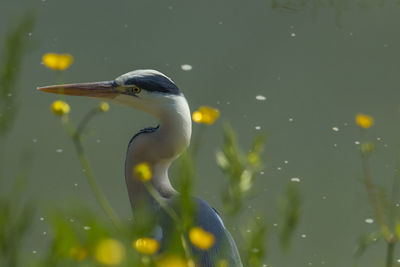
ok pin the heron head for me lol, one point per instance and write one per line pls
(146, 90)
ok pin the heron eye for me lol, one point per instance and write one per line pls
(136, 90)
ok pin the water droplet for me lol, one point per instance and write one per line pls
(303, 235)
(262, 172)
(369, 220)
(357, 142)
(59, 150)
(186, 67)
(290, 119)
(295, 179)
(336, 129)
(293, 34)
(257, 127)
(261, 97)
(286, 162)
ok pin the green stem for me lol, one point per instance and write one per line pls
(76, 137)
(390, 254)
(172, 214)
(160, 201)
(195, 144)
(371, 190)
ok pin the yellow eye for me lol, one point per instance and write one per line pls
(136, 90)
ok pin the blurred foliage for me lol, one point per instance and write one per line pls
(255, 236)
(365, 241)
(14, 49)
(185, 177)
(241, 169)
(384, 207)
(289, 214)
(16, 216)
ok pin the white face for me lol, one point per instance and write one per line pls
(153, 102)
(150, 102)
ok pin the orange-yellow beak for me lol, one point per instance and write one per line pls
(106, 89)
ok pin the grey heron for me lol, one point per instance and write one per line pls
(153, 92)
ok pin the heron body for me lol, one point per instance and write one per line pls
(153, 92)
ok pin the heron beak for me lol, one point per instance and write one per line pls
(107, 89)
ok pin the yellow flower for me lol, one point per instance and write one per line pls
(60, 108)
(110, 252)
(146, 245)
(174, 261)
(142, 171)
(206, 115)
(57, 61)
(78, 253)
(200, 238)
(222, 263)
(364, 121)
(104, 106)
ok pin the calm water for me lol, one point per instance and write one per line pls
(316, 67)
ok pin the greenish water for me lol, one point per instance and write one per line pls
(316, 67)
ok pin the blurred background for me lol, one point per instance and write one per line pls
(296, 71)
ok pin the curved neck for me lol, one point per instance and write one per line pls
(159, 148)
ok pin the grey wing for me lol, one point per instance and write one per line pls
(224, 248)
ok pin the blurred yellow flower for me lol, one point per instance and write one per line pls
(142, 171)
(222, 263)
(146, 245)
(174, 261)
(104, 106)
(200, 238)
(206, 115)
(78, 253)
(60, 108)
(364, 121)
(110, 252)
(57, 61)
